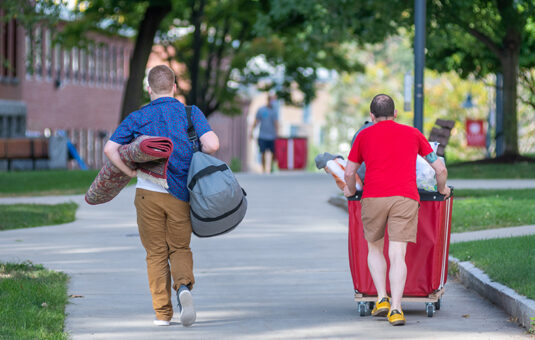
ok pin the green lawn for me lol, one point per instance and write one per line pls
(15, 216)
(32, 302)
(488, 209)
(510, 261)
(485, 171)
(50, 182)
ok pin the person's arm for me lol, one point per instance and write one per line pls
(111, 150)
(256, 122)
(441, 173)
(209, 142)
(349, 177)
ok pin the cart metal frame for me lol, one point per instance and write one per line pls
(432, 302)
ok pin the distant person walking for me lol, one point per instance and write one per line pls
(268, 119)
(163, 216)
(390, 196)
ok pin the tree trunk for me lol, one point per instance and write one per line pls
(133, 93)
(509, 61)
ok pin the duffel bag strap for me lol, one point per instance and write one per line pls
(205, 172)
(213, 219)
(192, 135)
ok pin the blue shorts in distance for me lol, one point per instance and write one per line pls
(266, 144)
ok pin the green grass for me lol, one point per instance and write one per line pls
(487, 171)
(32, 302)
(487, 209)
(509, 261)
(48, 182)
(52, 182)
(15, 216)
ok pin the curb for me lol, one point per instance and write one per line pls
(518, 306)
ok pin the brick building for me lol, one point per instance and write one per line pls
(61, 88)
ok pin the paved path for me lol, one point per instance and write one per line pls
(493, 233)
(492, 183)
(283, 274)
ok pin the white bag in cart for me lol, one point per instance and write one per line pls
(425, 174)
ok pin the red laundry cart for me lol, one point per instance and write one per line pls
(291, 153)
(427, 259)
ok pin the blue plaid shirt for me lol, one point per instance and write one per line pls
(166, 117)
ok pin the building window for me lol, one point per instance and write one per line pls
(120, 66)
(83, 65)
(91, 63)
(48, 53)
(75, 64)
(57, 64)
(67, 70)
(113, 65)
(38, 52)
(106, 63)
(8, 50)
(29, 53)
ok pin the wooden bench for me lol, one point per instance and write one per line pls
(23, 148)
(441, 133)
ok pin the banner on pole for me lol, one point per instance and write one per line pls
(476, 135)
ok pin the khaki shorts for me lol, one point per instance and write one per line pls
(399, 213)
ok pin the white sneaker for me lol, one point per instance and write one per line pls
(161, 322)
(187, 311)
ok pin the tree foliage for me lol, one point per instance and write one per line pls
(386, 64)
(315, 32)
(480, 37)
(217, 41)
(470, 37)
(27, 13)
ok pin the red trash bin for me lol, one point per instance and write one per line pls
(291, 153)
(427, 259)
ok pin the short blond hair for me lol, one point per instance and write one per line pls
(161, 79)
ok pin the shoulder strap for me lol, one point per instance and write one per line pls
(192, 135)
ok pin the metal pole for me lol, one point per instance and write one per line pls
(419, 63)
(499, 115)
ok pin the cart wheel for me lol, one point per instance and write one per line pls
(362, 308)
(430, 309)
(437, 304)
(370, 308)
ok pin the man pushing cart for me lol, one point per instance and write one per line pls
(388, 210)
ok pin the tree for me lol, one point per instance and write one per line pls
(217, 43)
(470, 37)
(222, 38)
(144, 17)
(318, 30)
(29, 13)
(480, 37)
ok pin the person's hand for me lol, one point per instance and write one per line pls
(446, 191)
(347, 192)
(132, 173)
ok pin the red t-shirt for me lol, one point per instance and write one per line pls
(389, 150)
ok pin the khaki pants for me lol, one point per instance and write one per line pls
(165, 232)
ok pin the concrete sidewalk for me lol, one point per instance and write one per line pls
(492, 183)
(282, 274)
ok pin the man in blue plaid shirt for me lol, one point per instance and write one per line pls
(163, 215)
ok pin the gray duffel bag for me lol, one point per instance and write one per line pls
(217, 201)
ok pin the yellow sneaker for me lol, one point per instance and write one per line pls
(396, 317)
(382, 307)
